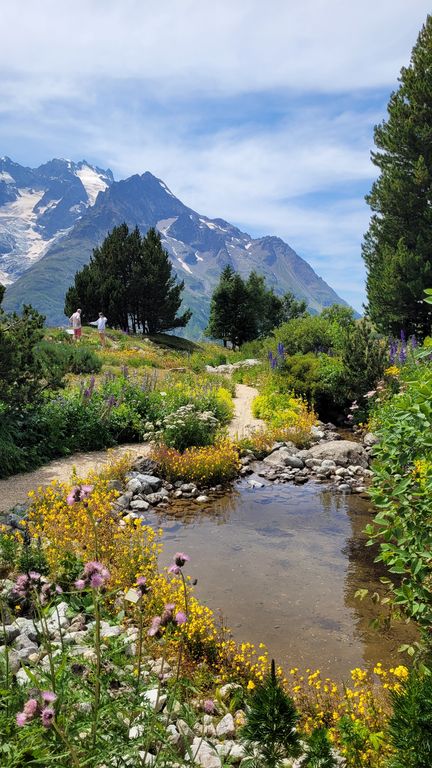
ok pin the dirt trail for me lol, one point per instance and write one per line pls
(14, 490)
(243, 422)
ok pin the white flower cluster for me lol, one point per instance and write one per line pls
(179, 420)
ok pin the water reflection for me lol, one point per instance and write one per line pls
(282, 564)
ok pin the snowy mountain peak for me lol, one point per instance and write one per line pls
(38, 206)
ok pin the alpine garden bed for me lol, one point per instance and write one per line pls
(107, 661)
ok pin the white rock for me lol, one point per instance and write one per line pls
(204, 755)
(154, 698)
(202, 499)
(226, 728)
(226, 691)
(140, 505)
(231, 749)
(134, 485)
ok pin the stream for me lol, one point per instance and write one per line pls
(281, 564)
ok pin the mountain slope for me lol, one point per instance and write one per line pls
(199, 248)
(39, 206)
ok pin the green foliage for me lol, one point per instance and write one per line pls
(397, 247)
(319, 751)
(130, 279)
(187, 427)
(32, 558)
(402, 490)
(21, 373)
(302, 334)
(271, 723)
(355, 737)
(241, 311)
(57, 359)
(364, 358)
(410, 726)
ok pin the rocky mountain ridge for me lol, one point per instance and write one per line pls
(93, 204)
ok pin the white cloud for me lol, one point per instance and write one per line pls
(197, 46)
(136, 86)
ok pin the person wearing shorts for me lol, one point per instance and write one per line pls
(75, 320)
(101, 324)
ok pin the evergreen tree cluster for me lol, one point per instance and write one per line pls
(130, 279)
(243, 310)
(397, 248)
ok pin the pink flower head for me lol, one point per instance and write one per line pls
(142, 585)
(34, 575)
(21, 719)
(22, 581)
(48, 696)
(96, 581)
(371, 393)
(155, 626)
(47, 716)
(73, 495)
(209, 706)
(92, 566)
(80, 584)
(30, 708)
(180, 617)
(350, 417)
(180, 559)
(174, 569)
(78, 493)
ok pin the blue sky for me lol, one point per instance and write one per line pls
(261, 114)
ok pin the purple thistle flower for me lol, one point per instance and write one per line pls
(35, 576)
(30, 708)
(180, 559)
(48, 696)
(180, 617)
(142, 585)
(73, 495)
(21, 719)
(80, 584)
(47, 717)
(155, 626)
(174, 569)
(96, 581)
(209, 706)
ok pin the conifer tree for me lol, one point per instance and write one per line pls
(130, 279)
(272, 723)
(397, 248)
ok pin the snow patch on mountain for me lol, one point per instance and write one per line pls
(92, 182)
(6, 177)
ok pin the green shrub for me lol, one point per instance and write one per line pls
(271, 724)
(410, 726)
(319, 751)
(189, 427)
(402, 490)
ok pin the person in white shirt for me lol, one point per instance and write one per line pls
(75, 321)
(101, 324)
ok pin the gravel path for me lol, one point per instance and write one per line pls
(243, 422)
(14, 490)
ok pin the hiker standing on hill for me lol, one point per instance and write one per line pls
(101, 323)
(75, 321)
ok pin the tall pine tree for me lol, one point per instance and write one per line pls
(130, 279)
(397, 248)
